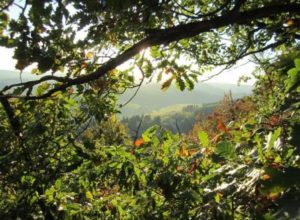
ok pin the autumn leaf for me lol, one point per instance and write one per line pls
(221, 126)
(290, 22)
(193, 167)
(273, 196)
(193, 152)
(167, 84)
(139, 142)
(83, 65)
(184, 153)
(266, 177)
(274, 120)
(169, 70)
(206, 151)
(179, 168)
(71, 90)
(276, 165)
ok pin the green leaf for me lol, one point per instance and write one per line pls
(297, 63)
(149, 133)
(180, 84)
(140, 175)
(261, 156)
(226, 149)
(42, 88)
(36, 71)
(49, 193)
(293, 78)
(203, 137)
(73, 206)
(218, 198)
(190, 85)
(159, 77)
(271, 138)
(18, 91)
(58, 184)
(292, 72)
(155, 52)
(89, 195)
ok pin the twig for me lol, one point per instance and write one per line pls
(218, 73)
(138, 87)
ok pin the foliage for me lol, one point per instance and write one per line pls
(251, 171)
(227, 112)
(106, 132)
(57, 163)
(48, 147)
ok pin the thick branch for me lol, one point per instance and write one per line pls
(169, 35)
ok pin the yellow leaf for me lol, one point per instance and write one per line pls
(290, 22)
(183, 151)
(113, 72)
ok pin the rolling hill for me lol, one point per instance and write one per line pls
(150, 98)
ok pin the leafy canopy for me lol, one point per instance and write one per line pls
(89, 39)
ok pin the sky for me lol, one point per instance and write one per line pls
(230, 76)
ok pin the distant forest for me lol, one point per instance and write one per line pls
(178, 119)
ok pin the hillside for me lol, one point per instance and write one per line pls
(171, 110)
(150, 98)
(176, 118)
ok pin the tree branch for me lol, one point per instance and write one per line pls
(169, 35)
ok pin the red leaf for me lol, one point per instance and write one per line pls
(221, 126)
